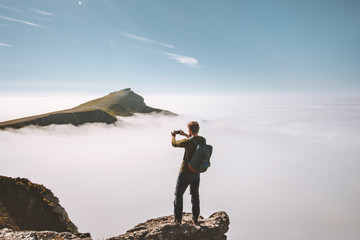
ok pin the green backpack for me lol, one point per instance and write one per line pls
(200, 161)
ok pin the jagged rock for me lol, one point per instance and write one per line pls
(104, 110)
(163, 228)
(9, 234)
(28, 206)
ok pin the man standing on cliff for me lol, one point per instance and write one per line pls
(187, 176)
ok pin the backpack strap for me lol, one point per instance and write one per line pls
(194, 141)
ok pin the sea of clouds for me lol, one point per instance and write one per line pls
(282, 167)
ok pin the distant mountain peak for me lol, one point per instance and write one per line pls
(123, 90)
(105, 109)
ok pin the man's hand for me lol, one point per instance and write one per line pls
(183, 133)
(173, 133)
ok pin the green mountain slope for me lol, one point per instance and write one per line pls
(105, 109)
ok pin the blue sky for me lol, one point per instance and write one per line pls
(159, 46)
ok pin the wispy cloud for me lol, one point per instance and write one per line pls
(144, 39)
(188, 33)
(186, 60)
(43, 12)
(9, 8)
(5, 45)
(19, 21)
(189, 61)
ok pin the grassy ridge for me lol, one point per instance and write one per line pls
(104, 109)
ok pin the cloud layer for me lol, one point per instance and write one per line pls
(282, 168)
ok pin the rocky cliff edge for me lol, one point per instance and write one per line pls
(29, 211)
(163, 228)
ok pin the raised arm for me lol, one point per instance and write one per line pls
(177, 143)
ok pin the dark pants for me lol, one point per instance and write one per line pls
(185, 179)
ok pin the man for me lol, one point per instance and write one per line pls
(187, 176)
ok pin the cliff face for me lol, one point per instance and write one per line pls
(212, 228)
(28, 206)
(105, 110)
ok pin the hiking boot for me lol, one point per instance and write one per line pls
(177, 222)
(195, 222)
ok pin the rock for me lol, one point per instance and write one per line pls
(9, 234)
(28, 206)
(163, 228)
(103, 110)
